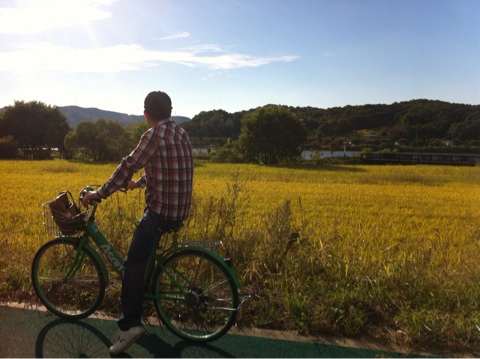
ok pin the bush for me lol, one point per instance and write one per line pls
(8, 148)
(226, 155)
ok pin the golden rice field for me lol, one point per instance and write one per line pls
(385, 252)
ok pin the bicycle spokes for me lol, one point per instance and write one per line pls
(195, 296)
(68, 280)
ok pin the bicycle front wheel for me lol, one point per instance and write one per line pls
(67, 281)
(195, 296)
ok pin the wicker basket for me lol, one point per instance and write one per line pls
(66, 227)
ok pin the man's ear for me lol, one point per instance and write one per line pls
(151, 122)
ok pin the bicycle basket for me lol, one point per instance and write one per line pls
(62, 216)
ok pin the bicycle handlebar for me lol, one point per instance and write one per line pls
(91, 188)
(94, 203)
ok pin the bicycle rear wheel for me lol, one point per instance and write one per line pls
(69, 283)
(196, 297)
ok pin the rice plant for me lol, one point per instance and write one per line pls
(387, 252)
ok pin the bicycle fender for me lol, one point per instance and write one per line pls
(95, 254)
(217, 257)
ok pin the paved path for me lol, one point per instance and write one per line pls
(33, 333)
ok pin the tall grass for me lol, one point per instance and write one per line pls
(387, 252)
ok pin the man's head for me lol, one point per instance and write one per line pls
(158, 105)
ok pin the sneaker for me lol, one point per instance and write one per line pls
(123, 339)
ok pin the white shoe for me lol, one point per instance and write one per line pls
(123, 339)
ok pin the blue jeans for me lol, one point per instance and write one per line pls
(149, 230)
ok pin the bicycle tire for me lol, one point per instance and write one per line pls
(195, 296)
(70, 297)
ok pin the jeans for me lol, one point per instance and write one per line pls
(149, 230)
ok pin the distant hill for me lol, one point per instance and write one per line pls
(76, 114)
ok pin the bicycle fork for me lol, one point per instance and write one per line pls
(79, 256)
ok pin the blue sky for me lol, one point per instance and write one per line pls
(238, 54)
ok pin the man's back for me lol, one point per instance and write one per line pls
(169, 172)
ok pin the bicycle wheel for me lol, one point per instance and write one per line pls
(196, 298)
(68, 282)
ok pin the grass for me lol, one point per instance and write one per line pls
(384, 252)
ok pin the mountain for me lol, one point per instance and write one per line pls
(76, 114)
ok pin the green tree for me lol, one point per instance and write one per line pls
(35, 126)
(115, 140)
(214, 124)
(271, 134)
(135, 131)
(83, 139)
(102, 140)
(466, 130)
(8, 147)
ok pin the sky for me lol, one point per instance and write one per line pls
(237, 55)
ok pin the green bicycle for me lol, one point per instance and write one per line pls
(193, 289)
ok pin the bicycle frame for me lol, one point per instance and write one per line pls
(92, 231)
(102, 243)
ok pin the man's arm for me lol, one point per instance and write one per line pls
(129, 165)
(140, 183)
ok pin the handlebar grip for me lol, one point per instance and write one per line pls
(87, 189)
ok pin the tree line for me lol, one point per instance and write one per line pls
(415, 124)
(268, 134)
(33, 130)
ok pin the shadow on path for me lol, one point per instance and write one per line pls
(29, 333)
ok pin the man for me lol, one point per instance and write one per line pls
(165, 152)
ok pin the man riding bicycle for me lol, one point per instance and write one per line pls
(165, 153)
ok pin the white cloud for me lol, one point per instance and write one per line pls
(48, 57)
(55, 14)
(50, 14)
(203, 48)
(176, 36)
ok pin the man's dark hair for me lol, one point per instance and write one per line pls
(158, 105)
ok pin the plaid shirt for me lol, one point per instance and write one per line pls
(166, 154)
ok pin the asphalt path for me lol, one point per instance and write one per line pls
(30, 333)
